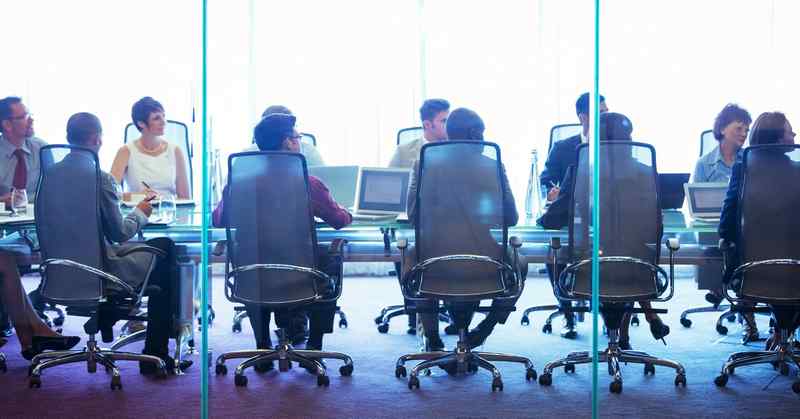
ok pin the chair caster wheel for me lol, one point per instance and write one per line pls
(116, 383)
(548, 328)
(680, 380)
(346, 370)
(649, 369)
(722, 330)
(686, 322)
(342, 324)
(58, 321)
(635, 321)
(784, 368)
(530, 374)
(721, 380)
(413, 382)
(237, 328)
(615, 387)
(569, 368)
(546, 379)
(35, 382)
(240, 380)
(796, 387)
(383, 328)
(497, 384)
(450, 330)
(221, 369)
(323, 381)
(525, 321)
(731, 318)
(378, 320)
(400, 371)
(411, 331)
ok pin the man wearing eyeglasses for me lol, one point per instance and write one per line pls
(19, 149)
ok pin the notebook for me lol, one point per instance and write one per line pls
(705, 200)
(381, 193)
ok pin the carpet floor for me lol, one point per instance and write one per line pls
(374, 392)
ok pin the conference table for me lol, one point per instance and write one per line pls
(374, 241)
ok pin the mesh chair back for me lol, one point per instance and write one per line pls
(562, 132)
(68, 223)
(308, 139)
(176, 133)
(406, 135)
(630, 220)
(270, 222)
(707, 142)
(460, 212)
(769, 203)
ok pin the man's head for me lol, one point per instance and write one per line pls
(84, 130)
(582, 110)
(15, 121)
(465, 124)
(148, 114)
(433, 114)
(615, 127)
(772, 128)
(276, 109)
(732, 125)
(276, 132)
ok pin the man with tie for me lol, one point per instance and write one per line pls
(19, 150)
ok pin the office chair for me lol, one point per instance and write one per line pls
(707, 142)
(562, 132)
(307, 138)
(272, 250)
(461, 250)
(630, 236)
(407, 135)
(768, 252)
(68, 212)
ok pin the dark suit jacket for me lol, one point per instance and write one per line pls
(561, 157)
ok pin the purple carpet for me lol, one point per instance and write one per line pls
(374, 392)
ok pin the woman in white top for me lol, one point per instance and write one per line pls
(150, 159)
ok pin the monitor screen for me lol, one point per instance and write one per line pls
(383, 190)
(708, 200)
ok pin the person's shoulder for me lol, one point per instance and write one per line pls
(567, 144)
(315, 183)
(711, 156)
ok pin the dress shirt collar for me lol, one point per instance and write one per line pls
(7, 149)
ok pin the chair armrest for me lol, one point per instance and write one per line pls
(142, 248)
(102, 275)
(291, 268)
(402, 244)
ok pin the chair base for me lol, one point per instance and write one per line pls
(725, 309)
(780, 357)
(613, 356)
(92, 355)
(184, 344)
(389, 312)
(465, 361)
(285, 354)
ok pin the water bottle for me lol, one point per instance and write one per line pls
(533, 195)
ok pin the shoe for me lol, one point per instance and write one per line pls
(296, 337)
(435, 344)
(750, 334)
(264, 366)
(658, 329)
(568, 331)
(477, 336)
(147, 368)
(625, 344)
(40, 344)
(714, 298)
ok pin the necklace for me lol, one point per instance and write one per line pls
(154, 151)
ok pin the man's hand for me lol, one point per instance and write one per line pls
(145, 207)
(6, 199)
(552, 194)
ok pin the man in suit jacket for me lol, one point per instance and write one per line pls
(84, 129)
(562, 155)
(433, 115)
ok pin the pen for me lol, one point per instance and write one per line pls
(555, 185)
(146, 185)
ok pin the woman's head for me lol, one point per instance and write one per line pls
(148, 116)
(731, 125)
(615, 127)
(771, 128)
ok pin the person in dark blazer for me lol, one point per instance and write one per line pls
(84, 129)
(562, 155)
(769, 128)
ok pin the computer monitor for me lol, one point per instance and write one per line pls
(382, 190)
(705, 199)
(340, 180)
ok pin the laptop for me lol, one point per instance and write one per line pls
(672, 191)
(340, 180)
(705, 200)
(381, 193)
